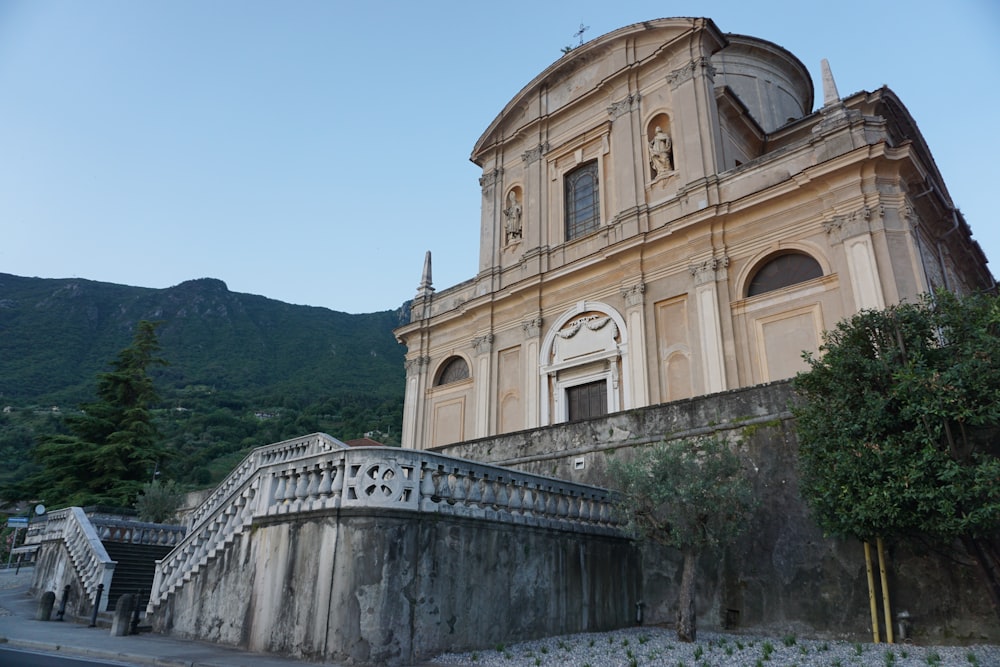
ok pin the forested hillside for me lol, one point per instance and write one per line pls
(244, 370)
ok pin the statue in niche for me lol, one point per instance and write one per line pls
(512, 215)
(661, 156)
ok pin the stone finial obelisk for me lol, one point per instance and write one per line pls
(830, 94)
(426, 287)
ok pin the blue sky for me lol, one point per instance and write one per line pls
(313, 151)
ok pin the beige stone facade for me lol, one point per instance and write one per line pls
(664, 216)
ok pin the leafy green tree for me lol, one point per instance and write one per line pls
(112, 445)
(689, 494)
(899, 423)
(158, 502)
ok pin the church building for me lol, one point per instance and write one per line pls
(664, 215)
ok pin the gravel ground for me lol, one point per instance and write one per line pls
(659, 646)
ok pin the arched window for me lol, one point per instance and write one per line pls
(582, 200)
(453, 370)
(782, 271)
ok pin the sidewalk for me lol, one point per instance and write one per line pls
(19, 629)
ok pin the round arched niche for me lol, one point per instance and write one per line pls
(660, 146)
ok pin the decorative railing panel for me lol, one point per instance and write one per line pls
(377, 477)
(136, 532)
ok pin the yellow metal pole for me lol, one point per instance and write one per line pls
(871, 592)
(885, 590)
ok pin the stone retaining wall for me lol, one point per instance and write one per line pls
(783, 576)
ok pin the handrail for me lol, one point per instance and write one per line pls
(384, 477)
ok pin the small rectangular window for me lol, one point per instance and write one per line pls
(583, 202)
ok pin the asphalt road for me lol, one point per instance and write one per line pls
(10, 657)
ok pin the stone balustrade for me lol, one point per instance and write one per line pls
(279, 452)
(135, 532)
(382, 478)
(91, 560)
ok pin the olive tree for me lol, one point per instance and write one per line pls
(898, 426)
(688, 494)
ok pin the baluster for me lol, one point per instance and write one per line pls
(605, 513)
(443, 487)
(574, 506)
(475, 489)
(427, 489)
(461, 493)
(540, 496)
(279, 491)
(312, 489)
(489, 496)
(515, 497)
(326, 480)
(503, 498)
(247, 514)
(302, 485)
(337, 483)
(551, 503)
(528, 500)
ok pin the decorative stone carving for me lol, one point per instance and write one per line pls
(532, 328)
(535, 153)
(512, 218)
(416, 365)
(661, 153)
(483, 344)
(685, 73)
(622, 107)
(490, 179)
(592, 322)
(710, 270)
(634, 295)
(862, 221)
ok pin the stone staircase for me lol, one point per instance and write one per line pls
(135, 569)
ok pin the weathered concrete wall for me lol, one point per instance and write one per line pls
(783, 575)
(53, 572)
(388, 587)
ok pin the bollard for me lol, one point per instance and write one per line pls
(97, 606)
(61, 614)
(45, 606)
(133, 629)
(123, 611)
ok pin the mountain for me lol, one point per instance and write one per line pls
(243, 369)
(57, 334)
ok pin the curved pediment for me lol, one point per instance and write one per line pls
(583, 70)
